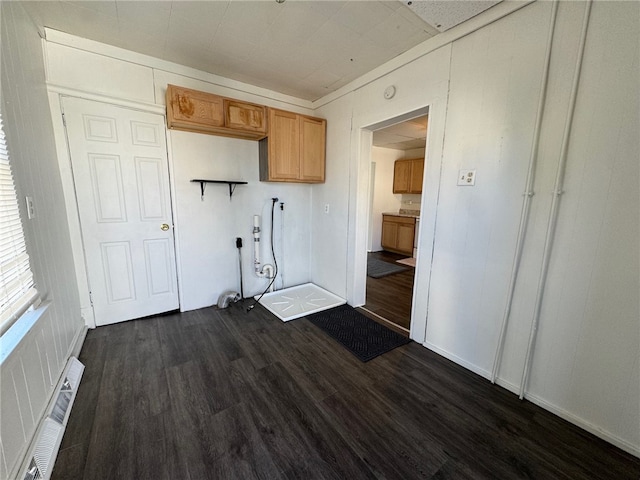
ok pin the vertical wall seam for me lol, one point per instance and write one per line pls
(435, 220)
(15, 391)
(528, 194)
(26, 385)
(553, 216)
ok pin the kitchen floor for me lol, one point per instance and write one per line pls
(390, 297)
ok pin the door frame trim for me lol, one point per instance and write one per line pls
(361, 140)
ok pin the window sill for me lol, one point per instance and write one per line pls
(12, 337)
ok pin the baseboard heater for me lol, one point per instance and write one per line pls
(42, 455)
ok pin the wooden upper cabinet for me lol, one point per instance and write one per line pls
(190, 109)
(284, 145)
(202, 112)
(417, 172)
(245, 116)
(312, 149)
(407, 175)
(401, 176)
(294, 150)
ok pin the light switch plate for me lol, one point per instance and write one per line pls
(466, 178)
(31, 212)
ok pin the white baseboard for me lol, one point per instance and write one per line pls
(585, 425)
(460, 361)
(565, 415)
(78, 342)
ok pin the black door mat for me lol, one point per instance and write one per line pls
(359, 334)
(377, 268)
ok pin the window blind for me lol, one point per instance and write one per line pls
(17, 289)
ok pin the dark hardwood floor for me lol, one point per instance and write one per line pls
(225, 394)
(390, 297)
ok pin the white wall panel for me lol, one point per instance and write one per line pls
(28, 375)
(494, 91)
(586, 357)
(88, 72)
(563, 61)
(329, 231)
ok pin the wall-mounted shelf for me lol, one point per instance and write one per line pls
(232, 185)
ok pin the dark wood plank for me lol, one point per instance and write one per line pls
(112, 440)
(391, 297)
(75, 444)
(228, 394)
(157, 454)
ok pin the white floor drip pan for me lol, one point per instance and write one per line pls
(295, 302)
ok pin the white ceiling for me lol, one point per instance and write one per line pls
(306, 49)
(408, 135)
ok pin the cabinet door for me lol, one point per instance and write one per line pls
(193, 110)
(405, 238)
(284, 145)
(245, 116)
(312, 149)
(401, 176)
(417, 172)
(389, 234)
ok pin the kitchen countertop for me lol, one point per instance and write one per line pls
(404, 213)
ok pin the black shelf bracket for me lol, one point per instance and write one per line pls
(231, 183)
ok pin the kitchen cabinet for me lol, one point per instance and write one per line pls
(398, 233)
(247, 117)
(407, 175)
(294, 149)
(202, 112)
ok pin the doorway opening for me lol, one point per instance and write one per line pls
(396, 181)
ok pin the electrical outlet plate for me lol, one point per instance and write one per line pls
(466, 178)
(326, 208)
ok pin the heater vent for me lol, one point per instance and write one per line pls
(47, 443)
(32, 471)
(47, 446)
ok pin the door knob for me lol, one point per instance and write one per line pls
(164, 227)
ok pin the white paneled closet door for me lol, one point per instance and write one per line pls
(121, 176)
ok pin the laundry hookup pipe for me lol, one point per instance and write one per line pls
(260, 270)
(528, 194)
(555, 202)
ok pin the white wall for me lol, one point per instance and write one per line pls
(587, 356)
(587, 353)
(329, 231)
(384, 200)
(31, 371)
(205, 230)
(493, 97)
